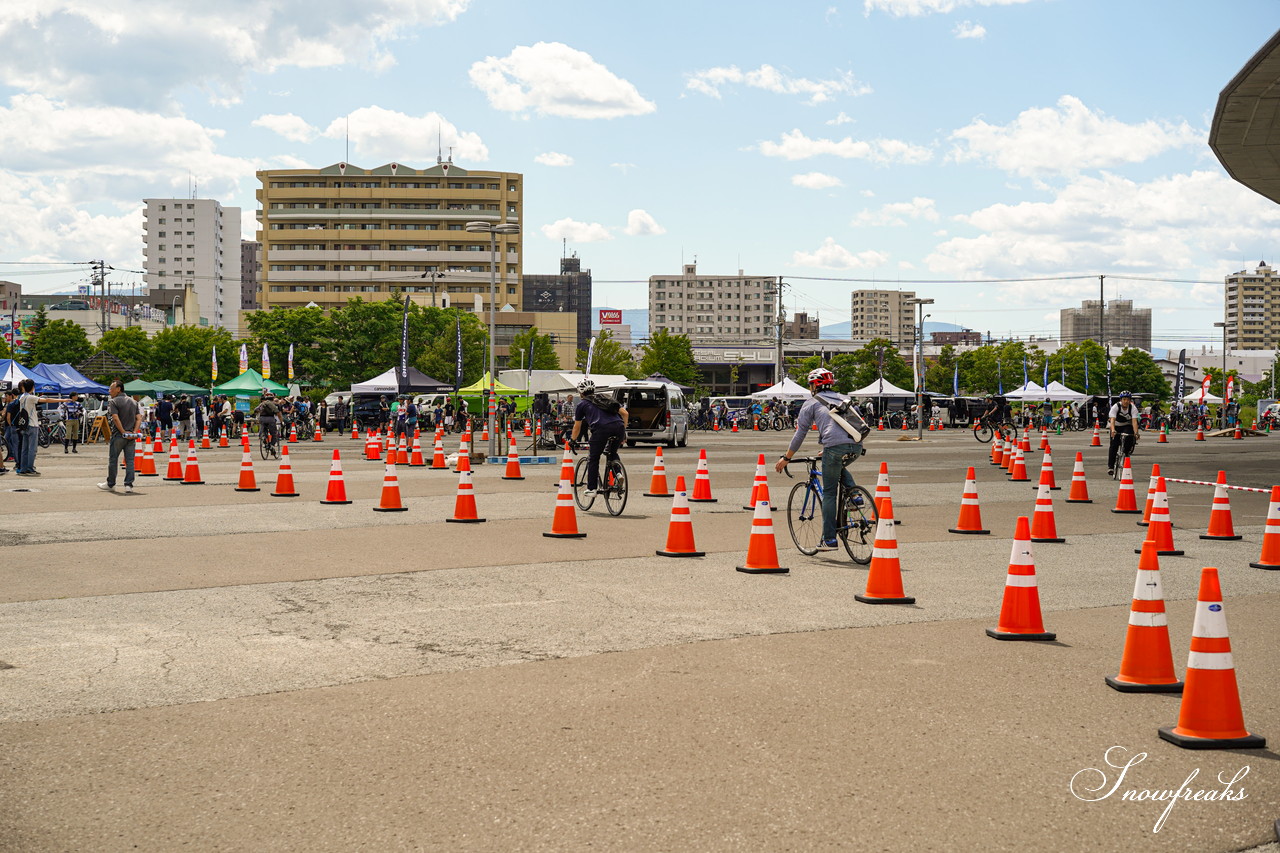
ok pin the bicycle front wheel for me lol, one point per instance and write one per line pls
(580, 496)
(858, 525)
(804, 518)
(264, 446)
(983, 434)
(615, 488)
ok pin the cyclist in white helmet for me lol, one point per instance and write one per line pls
(837, 444)
(606, 422)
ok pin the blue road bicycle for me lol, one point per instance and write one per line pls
(855, 515)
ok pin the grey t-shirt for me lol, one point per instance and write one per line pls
(127, 408)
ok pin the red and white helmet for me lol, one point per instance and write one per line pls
(822, 377)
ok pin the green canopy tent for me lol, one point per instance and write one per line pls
(173, 386)
(250, 382)
(483, 385)
(140, 386)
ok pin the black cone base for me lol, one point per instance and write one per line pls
(1266, 566)
(1115, 683)
(1045, 539)
(1246, 742)
(452, 520)
(1126, 511)
(238, 489)
(192, 483)
(954, 530)
(1162, 553)
(868, 599)
(703, 500)
(749, 571)
(1004, 635)
(1078, 501)
(396, 509)
(512, 478)
(657, 495)
(1220, 538)
(335, 502)
(565, 535)
(284, 494)
(681, 553)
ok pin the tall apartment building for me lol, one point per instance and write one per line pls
(802, 327)
(1122, 326)
(569, 291)
(714, 308)
(193, 241)
(887, 314)
(342, 231)
(1253, 308)
(250, 273)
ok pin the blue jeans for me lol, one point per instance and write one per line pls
(11, 442)
(118, 445)
(28, 441)
(833, 472)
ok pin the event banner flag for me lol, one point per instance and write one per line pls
(266, 363)
(290, 366)
(215, 364)
(1182, 376)
(244, 358)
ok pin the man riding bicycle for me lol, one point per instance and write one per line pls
(267, 412)
(606, 420)
(837, 444)
(1122, 423)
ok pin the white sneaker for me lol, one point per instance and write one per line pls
(106, 488)
(128, 490)
(589, 492)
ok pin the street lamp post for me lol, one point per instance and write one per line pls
(1222, 414)
(173, 310)
(917, 358)
(493, 229)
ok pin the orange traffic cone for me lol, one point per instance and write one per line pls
(464, 508)
(284, 478)
(148, 466)
(702, 481)
(762, 548)
(337, 491)
(761, 477)
(658, 479)
(205, 444)
(1126, 500)
(390, 500)
(319, 436)
(1164, 435)
(1151, 496)
(373, 447)
(1220, 526)
(1046, 467)
(513, 460)
(882, 489)
(1043, 526)
(416, 459)
(884, 581)
(970, 520)
(402, 451)
(437, 454)
(904, 424)
(880, 427)
(1018, 472)
(464, 448)
(222, 438)
(248, 483)
(735, 429)
(1079, 493)
(1161, 530)
(192, 475)
(1096, 441)
(1237, 435)
(680, 530)
(527, 433)
(1044, 440)
(175, 462)
(1270, 558)
(1147, 663)
(1020, 617)
(1200, 431)
(355, 431)
(293, 433)
(564, 523)
(159, 444)
(484, 432)
(997, 450)
(1210, 716)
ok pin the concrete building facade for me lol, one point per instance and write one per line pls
(342, 231)
(710, 309)
(1122, 325)
(887, 314)
(1252, 308)
(801, 327)
(193, 241)
(570, 291)
(250, 274)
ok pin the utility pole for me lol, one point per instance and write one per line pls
(100, 281)
(782, 318)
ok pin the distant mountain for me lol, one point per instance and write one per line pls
(840, 331)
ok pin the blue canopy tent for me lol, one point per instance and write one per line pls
(12, 372)
(68, 379)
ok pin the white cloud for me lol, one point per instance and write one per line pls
(832, 256)
(624, 168)
(897, 213)
(916, 8)
(796, 146)
(387, 135)
(770, 79)
(1111, 223)
(554, 158)
(867, 193)
(577, 232)
(841, 118)
(1067, 139)
(291, 127)
(970, 30)
(553, 79)
(641, 224)
(816, 181)
(138, 53)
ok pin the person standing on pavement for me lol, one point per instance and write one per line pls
(122, 418)
(72, 412)
(28, 424)
(183, 412)
(10, 433)
(164, 415)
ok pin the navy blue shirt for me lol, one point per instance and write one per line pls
(595, 416)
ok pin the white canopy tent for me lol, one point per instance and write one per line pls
(787, 389)
(1030, 391)
(1209, 399)
(1061, 393)
(882, 388)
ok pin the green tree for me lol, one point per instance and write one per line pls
(939, 372)
(304, 328)
(5, 352)
(1136, 371)
(185, 353)
(861, 367)
(59, 342)
(672, 356)
(544, 354)
(610, 357)
(129, 344)
(32, 328)
(362, 339)
(439, 358)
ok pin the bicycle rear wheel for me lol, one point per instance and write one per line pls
(615, 488)
(804, 518)
(580, 496)
(858, 525)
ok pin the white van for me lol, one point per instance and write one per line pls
(656, 412)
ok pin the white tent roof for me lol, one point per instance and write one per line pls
(1030, 391)
(787, 389)
(383, 383)
(881, 388)
(1194, 397)
(1057, 391)
(561, 383)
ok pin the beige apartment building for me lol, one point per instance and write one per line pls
(730, 309)
(342, 231)
(1252, 310)
(883, 314)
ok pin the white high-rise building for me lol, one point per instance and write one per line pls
(196, 242)
(732, 309)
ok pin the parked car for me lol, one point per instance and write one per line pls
(70, 305)
(657, 412)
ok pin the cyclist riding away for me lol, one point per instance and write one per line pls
(837, 444)
(1122, 423)
(266, 413)
(605, 419)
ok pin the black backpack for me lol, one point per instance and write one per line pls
(22, 419)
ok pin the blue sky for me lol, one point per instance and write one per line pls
(891, 140)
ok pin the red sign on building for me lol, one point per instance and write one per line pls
(610, 317)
